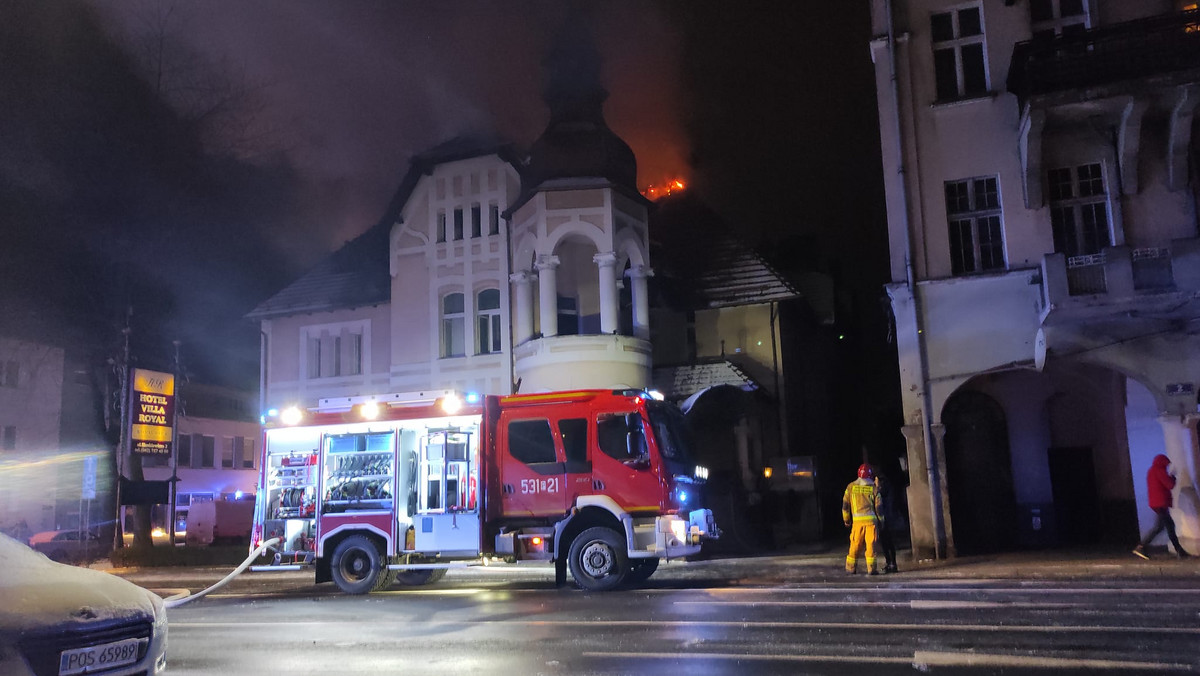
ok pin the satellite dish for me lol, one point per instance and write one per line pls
(1039, 350)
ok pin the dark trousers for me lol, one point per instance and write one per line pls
(1163, 520)
(887, 545)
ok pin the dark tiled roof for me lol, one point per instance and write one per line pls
(680, 382)
(358, 274)
(353, 276)
(699, 263)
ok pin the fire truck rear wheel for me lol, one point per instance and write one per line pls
(357, 566)
(420, 576)
(640, 570)
(597, 559)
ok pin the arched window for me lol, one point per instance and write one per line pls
(453, 326)
(488, 320)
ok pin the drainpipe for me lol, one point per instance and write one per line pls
(935, 501)
(262, 371)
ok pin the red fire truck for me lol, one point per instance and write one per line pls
(370, 491)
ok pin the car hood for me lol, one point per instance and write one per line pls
(35, 591)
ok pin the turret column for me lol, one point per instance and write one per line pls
(548, 293)
(523, 327)
(608, 291)
(638, 275)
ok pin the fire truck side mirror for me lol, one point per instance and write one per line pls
(633, 422)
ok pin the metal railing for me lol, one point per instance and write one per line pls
(1085, 275)
(1152, 268)
(1107, 54)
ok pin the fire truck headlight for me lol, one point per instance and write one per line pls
(451, 404)
(701, 472)
(291, 416)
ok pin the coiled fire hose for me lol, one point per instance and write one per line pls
(180, 599)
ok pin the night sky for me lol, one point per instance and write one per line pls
(190, 158)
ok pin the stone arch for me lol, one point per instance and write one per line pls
(629, 249)
(573, 230)
(979, 475)
(524, 252)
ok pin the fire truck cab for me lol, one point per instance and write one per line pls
(376, 490)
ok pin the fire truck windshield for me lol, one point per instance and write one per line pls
(673, 435)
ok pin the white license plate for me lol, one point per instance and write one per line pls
(100, 657)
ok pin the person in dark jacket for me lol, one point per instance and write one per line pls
(1159, 484)
(885, 534)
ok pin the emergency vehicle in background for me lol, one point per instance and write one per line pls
(370, 491)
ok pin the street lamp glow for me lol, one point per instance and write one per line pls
(291, 416)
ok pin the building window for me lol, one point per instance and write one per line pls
(476, 221)
(958, 62)
(1078, 209)
(9, 442)
(248, 457)
(441, 226)
(458, 224)
(354, 354)
(227, 452)
(493, 220)
(314, 356)
(1049, 18)
(11, 375)
(488, 320)
(568, 316)
(207, 451)
(976, 235)
(453, 326)
(183, 452)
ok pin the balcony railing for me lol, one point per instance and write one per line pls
(1120, 278)
(1085, 275)
(1152, 268)
(1108, 54)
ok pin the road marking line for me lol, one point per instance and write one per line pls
(915, 604)
(918, 660)
(869, 659)
(948, 659)
(1126, 591)
(913, 626)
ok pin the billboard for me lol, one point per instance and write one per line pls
(152, 412)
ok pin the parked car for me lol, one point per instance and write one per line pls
(59, 619)
(67, 545)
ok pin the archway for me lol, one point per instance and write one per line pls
(983, 508)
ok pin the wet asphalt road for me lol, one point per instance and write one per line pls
(697, 618)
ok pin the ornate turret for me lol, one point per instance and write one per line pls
(577, 143)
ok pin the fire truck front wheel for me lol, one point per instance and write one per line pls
(357, 566)
(597, 559)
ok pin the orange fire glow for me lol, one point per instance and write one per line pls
(657, 190)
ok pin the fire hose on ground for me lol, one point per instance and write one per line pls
(180, 599)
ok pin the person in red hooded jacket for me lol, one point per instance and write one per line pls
(1159, 484)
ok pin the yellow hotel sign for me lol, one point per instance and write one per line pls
(152, 414)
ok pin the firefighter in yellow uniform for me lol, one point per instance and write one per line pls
(862, 511)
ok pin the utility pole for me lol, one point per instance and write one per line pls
(174, 448)
(123, 442)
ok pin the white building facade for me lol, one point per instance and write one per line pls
(1045, 265)
(501, 273)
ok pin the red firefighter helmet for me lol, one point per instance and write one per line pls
(865, 472)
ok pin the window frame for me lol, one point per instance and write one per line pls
(1058, 24)
(975, 216)
(1078, 204)
(449, 322)
(488, 324)
(955, 45)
